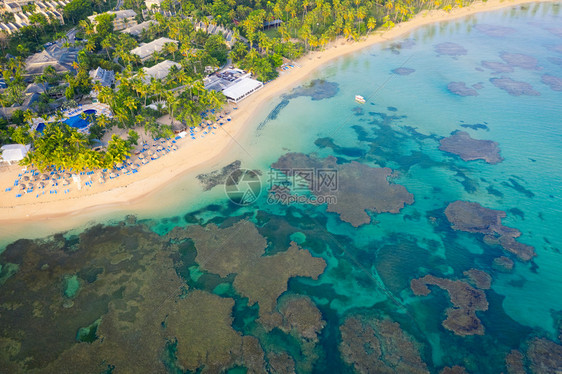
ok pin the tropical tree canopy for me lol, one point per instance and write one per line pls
(63, 147)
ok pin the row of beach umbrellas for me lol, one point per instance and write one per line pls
(23, 186)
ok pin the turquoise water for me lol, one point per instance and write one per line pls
(192, 294)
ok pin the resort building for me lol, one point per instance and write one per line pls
(123, 19)
(8, 28)
(137, 30)
(224, 78)
(242, 89)
(145, 50)
(11, 7)
(13, 152)
(151, 4)
(60, 58)
(31, 94)
(105, 77)
(213, 29)
(235, 84)
(271, 24)
(159, 71)
(49, 9)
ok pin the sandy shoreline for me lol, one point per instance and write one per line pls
(205, 152)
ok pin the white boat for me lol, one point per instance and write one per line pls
(360, 99)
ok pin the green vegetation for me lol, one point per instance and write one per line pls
(64, 147)
(138, 100)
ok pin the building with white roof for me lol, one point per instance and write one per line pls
(14, 152)
(242, 89)
(123, 19)
(159, 71)
(136, 30)
(145, 51)
(12, 7)
(49, 9)
(150, 4)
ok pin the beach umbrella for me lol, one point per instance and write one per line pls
(160, 148)
(65, 182)
(67, 175)
(55, 176)
(141, 156)
(41, 185)
(119, 164)
(25, 178)
(22, 186)
(112, 175)
(53, 182)
(30, 185)
(45, 177)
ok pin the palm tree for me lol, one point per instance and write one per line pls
(182, 77)
(305, 33)
(171, 48)
(157, 88)
(130, 103)
(90, 45)
(156, 56)
(361, 14)
(172, 101)
(371, 23)
(87, 27)
(121, 115)
(117, 150)
(4, 102)
(323, 40)
(216, 99)
(28, 116)
(107, 44)
(305, 6)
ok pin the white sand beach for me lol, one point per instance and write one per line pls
(192, 155)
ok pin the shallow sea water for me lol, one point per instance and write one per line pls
(164, 295)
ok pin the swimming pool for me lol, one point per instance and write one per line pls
(77, 121)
